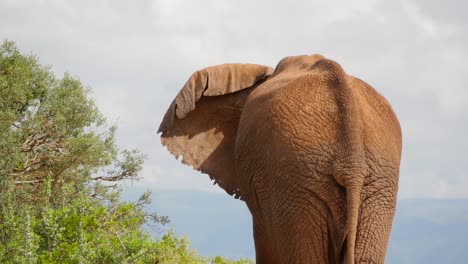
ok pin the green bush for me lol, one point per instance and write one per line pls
(58, 166)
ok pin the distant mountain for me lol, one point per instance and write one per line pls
(430, 231)
(215, 223)
(424, 231)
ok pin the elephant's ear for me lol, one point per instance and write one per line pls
(201, 123)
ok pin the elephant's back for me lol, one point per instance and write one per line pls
(299, 118)
(296, 111)
(304, 110)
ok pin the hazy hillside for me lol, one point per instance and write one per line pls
(425, 230)
(430, 231)
(215, 223)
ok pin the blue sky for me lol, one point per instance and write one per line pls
(136, 55)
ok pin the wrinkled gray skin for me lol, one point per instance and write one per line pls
(312, 151)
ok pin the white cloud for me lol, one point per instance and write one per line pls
(179, 14)
(428, 26)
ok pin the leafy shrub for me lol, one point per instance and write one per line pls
(57, 165)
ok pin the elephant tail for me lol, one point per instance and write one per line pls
(350, 167)
(353, 200)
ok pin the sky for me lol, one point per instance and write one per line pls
(136, 55)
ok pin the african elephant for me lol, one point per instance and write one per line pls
(313, 151)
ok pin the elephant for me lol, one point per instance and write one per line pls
(312, 151)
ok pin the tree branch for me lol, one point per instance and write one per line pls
(28, 182)
(121, 176)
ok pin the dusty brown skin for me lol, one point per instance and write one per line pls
(313, 152)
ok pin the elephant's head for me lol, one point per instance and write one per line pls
(205, 135)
